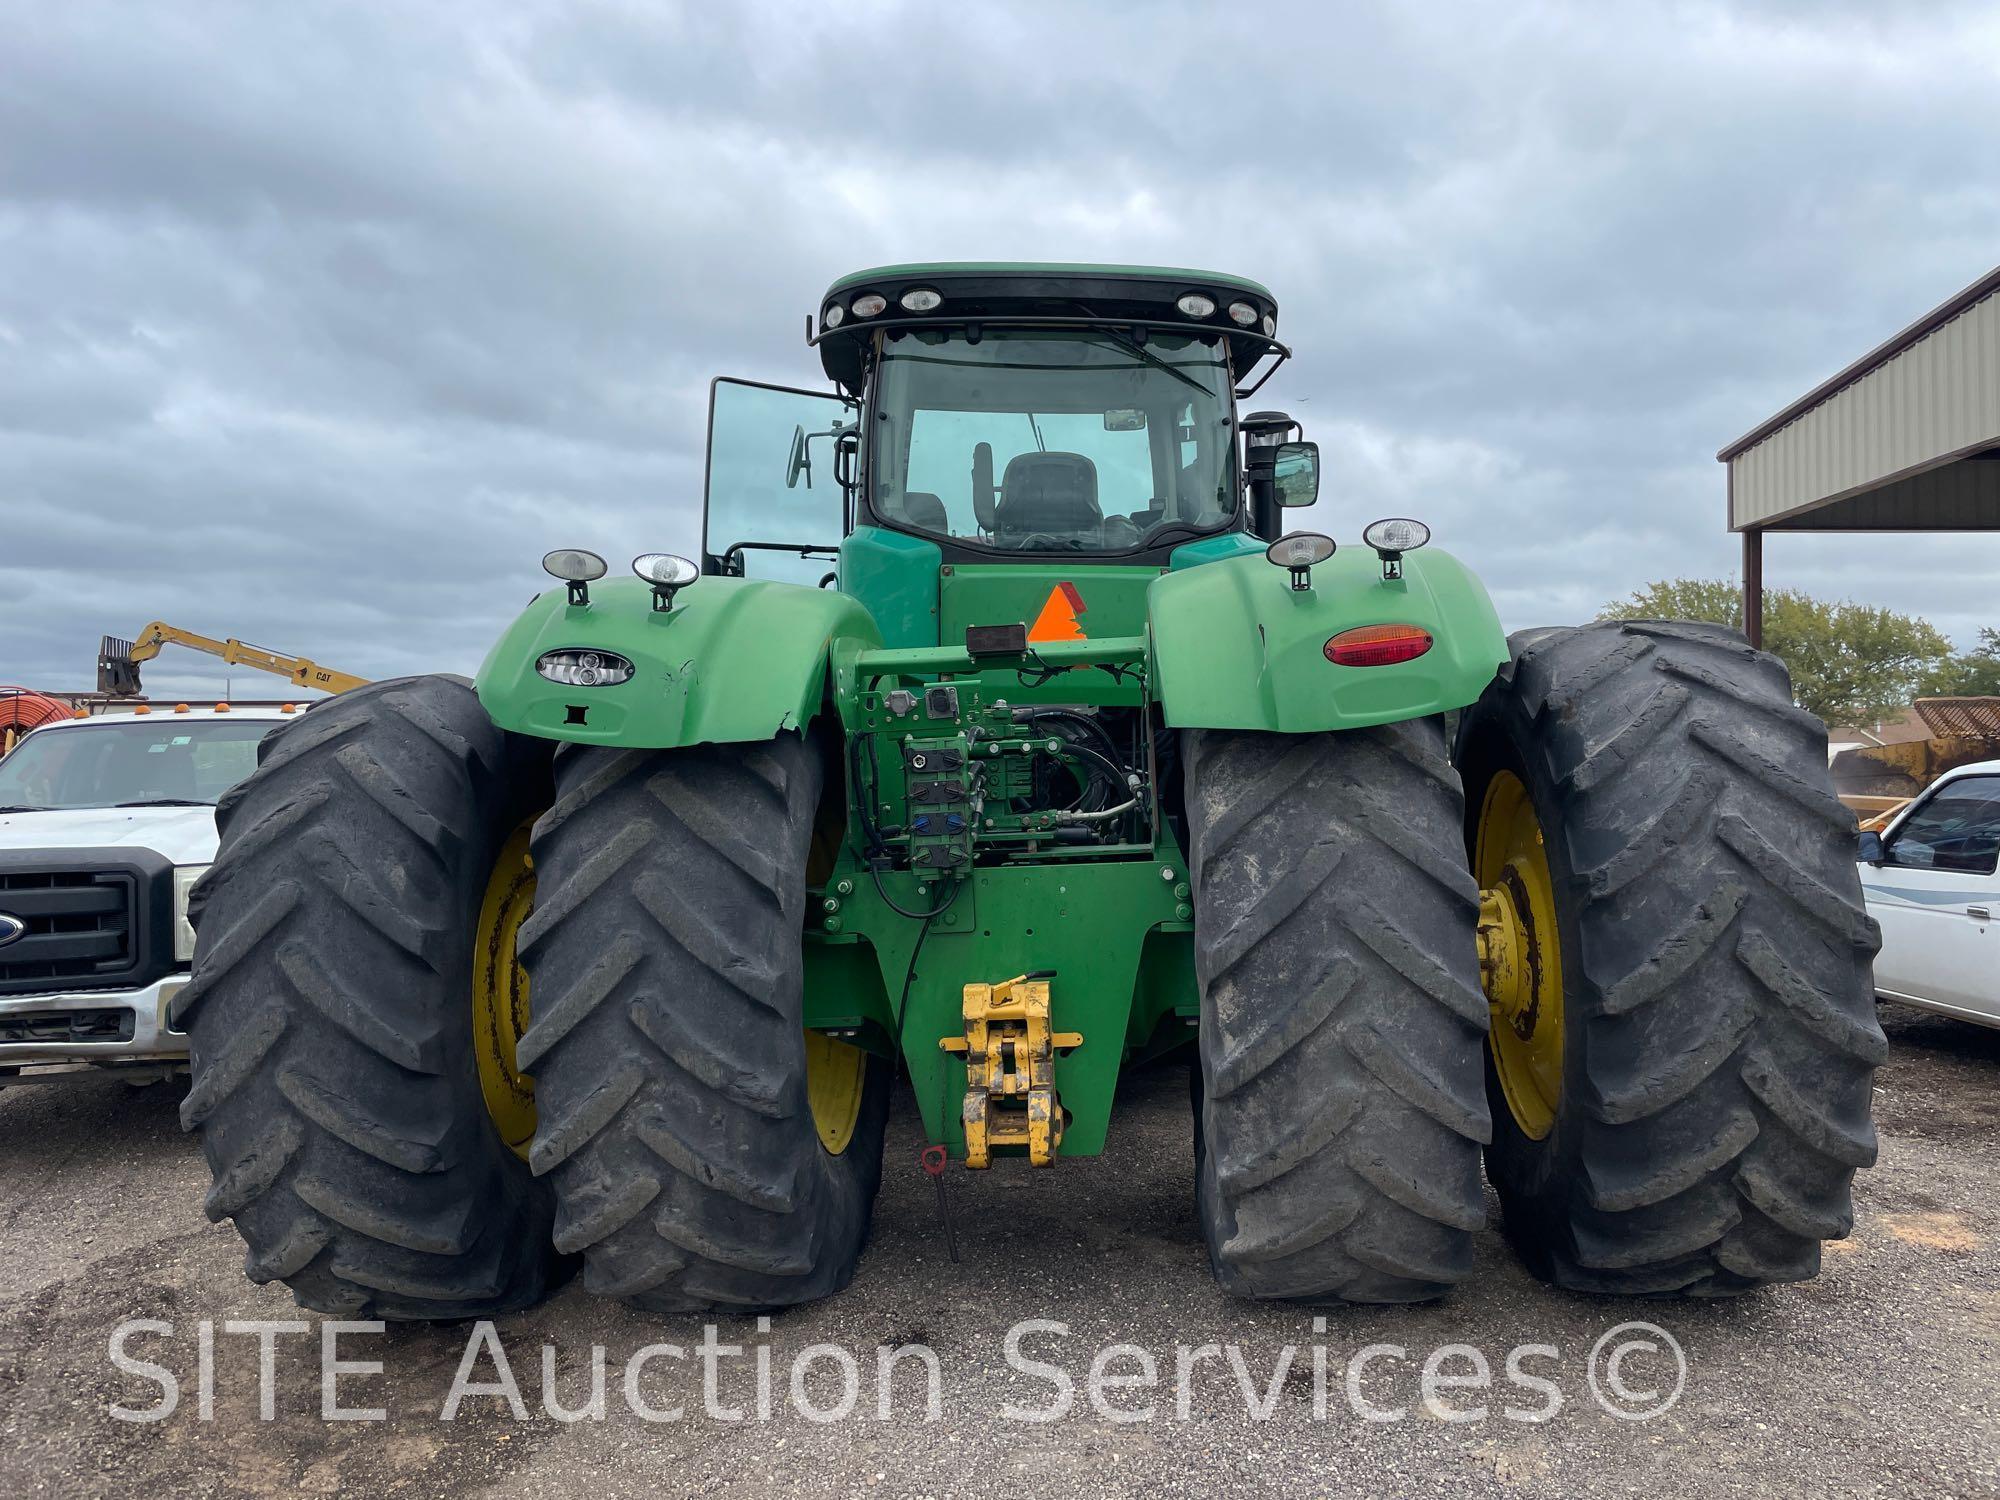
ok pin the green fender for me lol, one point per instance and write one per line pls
(734, 660)
(1236, 647)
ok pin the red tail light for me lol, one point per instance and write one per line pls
(1377, 645)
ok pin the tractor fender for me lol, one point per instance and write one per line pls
(1235, 646)
(734, 660)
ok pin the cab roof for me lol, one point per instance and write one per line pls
(993, 291)
(1049, 270)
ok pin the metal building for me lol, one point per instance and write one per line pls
(1907, 438)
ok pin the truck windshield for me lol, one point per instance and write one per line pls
(159, 760)
(1047, 441)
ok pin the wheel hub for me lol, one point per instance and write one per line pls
(1520, 954)
(836, 1079)
(500, 992)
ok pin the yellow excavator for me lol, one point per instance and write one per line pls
(118, 660)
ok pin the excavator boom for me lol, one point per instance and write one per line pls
(118, 660)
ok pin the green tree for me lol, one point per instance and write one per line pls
(1850, 663)
(1970, 674)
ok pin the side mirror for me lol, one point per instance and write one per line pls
(1868, 847)
(1295, 474)
(800, 461)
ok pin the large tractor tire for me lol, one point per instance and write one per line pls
(1684, 1028)
(333, 1017)
(704, 1148)
(1339, 1114)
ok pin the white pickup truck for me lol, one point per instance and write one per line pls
(105, 824)
(1932, 879)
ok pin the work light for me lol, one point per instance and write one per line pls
(575, 567)
(834, 316)
(666, 572)
(1396, 534)
(920, 299)
(575, 668)
(1244, 314)
(1391, 538)
(1195, 305)
(869, 304)
(1298, 552)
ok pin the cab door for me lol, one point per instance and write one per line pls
(774, 504)
(1936, 894)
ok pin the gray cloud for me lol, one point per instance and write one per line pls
(318, 324)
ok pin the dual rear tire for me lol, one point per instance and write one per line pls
(1674, 1094)
(368, 1119)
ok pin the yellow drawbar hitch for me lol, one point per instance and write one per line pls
(1010, 1070)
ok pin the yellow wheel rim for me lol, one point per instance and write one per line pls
(1520, 954)
(836, 1074)
(500, 992)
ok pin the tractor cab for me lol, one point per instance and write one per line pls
(1039, 415)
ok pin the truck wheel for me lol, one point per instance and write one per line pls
(337, 1077)
(1339, 1114)
(1677, 955)
(705, 1149)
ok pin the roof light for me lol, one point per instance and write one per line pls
(1195, 305)
(868, 304)
(79, 713)
(180, 708)
(576, 668)
(1377, 645)
(1299, 551)
(1270, 326)
(143, 708)
(288, 708)
(1396, 534)
(921, 299)
(222, 708)
(1243, 313)
(834, 316)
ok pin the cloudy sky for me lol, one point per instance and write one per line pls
(320, 323)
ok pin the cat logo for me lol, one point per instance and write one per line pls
(1058, 619)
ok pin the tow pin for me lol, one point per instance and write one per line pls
(932, 1160)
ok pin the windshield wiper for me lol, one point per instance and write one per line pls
(23, 808)
(166, 802)
(1146, 356)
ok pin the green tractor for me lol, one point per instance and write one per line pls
(1003, 737)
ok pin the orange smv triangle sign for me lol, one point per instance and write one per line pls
(1057, 621)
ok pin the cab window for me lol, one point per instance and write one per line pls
(1053, 441)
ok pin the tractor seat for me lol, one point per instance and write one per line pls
(926, 512)
(1052, 492)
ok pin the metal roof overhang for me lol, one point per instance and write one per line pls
(1907, 438)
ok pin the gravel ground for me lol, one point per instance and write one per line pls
(1878, 1378)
